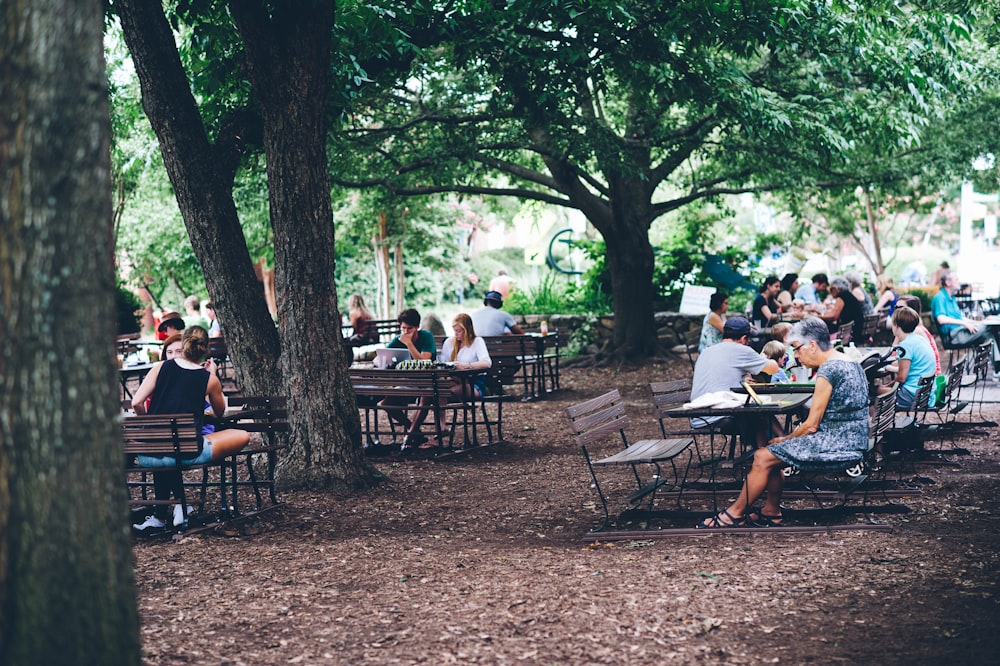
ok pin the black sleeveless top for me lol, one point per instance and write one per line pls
(853, 311)
(180, 391)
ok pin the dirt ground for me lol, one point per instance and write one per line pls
(481, 560)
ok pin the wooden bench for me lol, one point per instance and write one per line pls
(174, 435)
(408, 389)
(598, 419)
(157, 435)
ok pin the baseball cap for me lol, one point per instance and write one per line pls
(493, 296)
(736, 327)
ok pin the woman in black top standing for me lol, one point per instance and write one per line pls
(765, 306)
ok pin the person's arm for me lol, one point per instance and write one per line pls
(902, 370)
(885, 299)
(833, 312)
(715, 320)
(145, 389)
(215, 396)
(514, 330)
(820, 400)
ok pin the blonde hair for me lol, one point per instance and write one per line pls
(780, 331)
(469, 333)
(774, 350)
(357, 304)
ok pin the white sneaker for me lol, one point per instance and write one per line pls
(151, 521)
(179, 515)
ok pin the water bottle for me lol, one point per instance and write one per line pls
(545, 328)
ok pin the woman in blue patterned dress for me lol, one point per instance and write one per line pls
(834, 434)
(711, 326)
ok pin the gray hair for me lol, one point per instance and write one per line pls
(841, 284)
(854, 279)
(811, 329)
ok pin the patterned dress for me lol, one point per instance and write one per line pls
(710, 335)
(842, 437)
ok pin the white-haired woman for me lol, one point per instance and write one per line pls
(834, 433)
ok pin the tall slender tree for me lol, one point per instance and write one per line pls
(66, 586)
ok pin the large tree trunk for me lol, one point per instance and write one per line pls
(66, 587)
(202, 177)
(287, 57)
(630, 264)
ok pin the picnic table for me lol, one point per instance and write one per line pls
(424, 388)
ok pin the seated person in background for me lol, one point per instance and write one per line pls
(913, 303)
(775, 351)
(361, 318)
(786, 296)
(834, 433)
(809, 293)
(845, 308)
(711, 326)
(468, 352)
(765, 306)
(859, 292)
(888, 296)
(192, 316)
(179, 386)
(780, 331)
(419, 342)
(431, 322)
(422, 347)
(956, 329)
(170, 323)
(491, 321)
(917, 362)
(726, 365)
(214, 328)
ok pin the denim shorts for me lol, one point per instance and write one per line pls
(169, 461)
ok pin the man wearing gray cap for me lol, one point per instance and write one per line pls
(724, 366)
(490, 320)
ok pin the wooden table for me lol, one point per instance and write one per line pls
(424, 389)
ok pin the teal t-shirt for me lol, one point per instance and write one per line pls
(423, 343)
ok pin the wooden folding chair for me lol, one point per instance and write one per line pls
(603, 417)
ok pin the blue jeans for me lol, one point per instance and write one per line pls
(170, 461)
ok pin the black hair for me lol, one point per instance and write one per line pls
(410, 317)
(716, 300)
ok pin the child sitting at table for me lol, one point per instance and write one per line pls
(775, 350)
(780, 331)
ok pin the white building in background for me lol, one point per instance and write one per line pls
(978, 261)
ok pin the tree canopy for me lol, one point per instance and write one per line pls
(630, 110)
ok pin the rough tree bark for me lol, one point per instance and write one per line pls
(288, 61)
(287, 56)
(66, 586)
(202, 176)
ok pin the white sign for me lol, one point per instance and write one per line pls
(695, 299)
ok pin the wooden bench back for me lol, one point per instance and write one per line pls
(597, 418)
(401, 383)
(161, 434)
(267, 414)
(668, 395)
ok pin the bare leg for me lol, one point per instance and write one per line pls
(765, 474)
(227, 442)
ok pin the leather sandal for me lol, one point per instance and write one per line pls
(764, 520)
(714, 522)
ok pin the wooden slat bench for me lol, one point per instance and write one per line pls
(174, 435)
